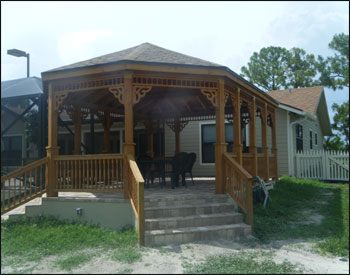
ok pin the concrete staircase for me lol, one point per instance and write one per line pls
(192, 217)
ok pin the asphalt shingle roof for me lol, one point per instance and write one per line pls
(21, 87)
(305, 99)
(145, 52)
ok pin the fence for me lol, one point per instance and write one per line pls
(322, 165)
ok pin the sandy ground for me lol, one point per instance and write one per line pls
(170, 259)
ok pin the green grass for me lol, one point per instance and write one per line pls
(283, 218)
(241, 263)
(73, 261)
(34, 238)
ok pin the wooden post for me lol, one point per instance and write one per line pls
(264, 148)
(141, 214)
(129, 145)
(252, 137)
(237, 136)
(274, 143)
(177, 136)
(52, 148)
(77, 130)
(220, 145)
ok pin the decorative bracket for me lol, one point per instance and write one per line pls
(118, 92)
(140, 92)
(211, 95)
(176, 126)
(59, 98)
(227, 95)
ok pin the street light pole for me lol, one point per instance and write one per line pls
(19, 53)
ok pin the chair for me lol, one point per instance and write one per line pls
(265, 187)
(190, 162)
(179, 162)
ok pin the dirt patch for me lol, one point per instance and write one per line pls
(170, 259)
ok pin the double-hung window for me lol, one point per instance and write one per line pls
(299, 138)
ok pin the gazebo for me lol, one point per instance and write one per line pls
(149, 84)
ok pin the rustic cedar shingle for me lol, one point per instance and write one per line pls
(305, 99)
(145, 52)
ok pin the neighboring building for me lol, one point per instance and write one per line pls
(18, 97)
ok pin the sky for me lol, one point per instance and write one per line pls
(60, 33)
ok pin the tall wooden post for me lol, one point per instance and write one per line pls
(52, 148)
(77, 130)
(177, 136)
(264, 148)
(220, 145)
(129, 145)
(252, 136)
(237, 135)
(274, 142)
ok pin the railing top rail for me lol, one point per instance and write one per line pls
(25, 169)
(238, 167)
(134, 169)
(89, 157)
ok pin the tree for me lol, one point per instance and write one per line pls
(275, 68)
(266, 69)
(301, 69)
(333, 143)
(335, 70)
(341, 120)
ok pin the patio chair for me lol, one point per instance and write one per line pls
(190, 162)
(265, 187)
(145, 168)
(179, 162)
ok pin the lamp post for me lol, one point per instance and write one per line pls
(19, 53)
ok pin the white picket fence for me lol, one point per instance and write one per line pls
(322, 165)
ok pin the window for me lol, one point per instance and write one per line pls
(99, 142)
(208, 132)
(11, 154)
(310, 139)
(315, 138)
(299, 137)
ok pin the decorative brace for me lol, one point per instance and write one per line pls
(59, 98)
(118, 92)
(176, 126)
(140, 92)
(211, 95)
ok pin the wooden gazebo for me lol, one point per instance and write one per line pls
(147, 83)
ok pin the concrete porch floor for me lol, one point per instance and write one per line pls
(201, 186)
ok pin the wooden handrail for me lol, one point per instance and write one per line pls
(23, 185)
(238, 184)
(136, 195)
(234, 163)
(90, 157)
(25, 169)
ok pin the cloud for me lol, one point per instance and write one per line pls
(81, 45)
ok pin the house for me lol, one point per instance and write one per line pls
(302, 122)
(18, 98)
(151, 90)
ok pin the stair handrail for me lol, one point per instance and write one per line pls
(136, 195)
(238, 184)
(16, 193)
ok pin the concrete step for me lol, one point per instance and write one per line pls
(193, 221)
(186, 199)
(187, 210)
(192, 234)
